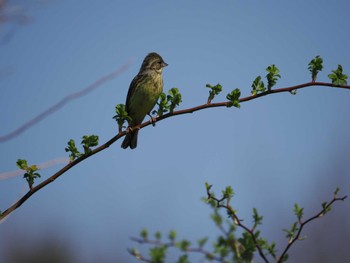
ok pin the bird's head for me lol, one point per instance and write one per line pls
(153, 61)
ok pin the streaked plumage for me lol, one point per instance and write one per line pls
(143, 94)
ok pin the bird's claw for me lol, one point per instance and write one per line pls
(132, 129)
(152, 120)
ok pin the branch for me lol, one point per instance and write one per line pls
(237, 221)
(147, 123)
(302, 224)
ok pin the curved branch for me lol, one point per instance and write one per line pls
(147, 123)
(302, 224)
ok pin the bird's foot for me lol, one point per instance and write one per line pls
(132, 129)
(152, 120)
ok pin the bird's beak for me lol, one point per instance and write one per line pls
(164, 64)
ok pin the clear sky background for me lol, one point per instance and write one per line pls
(274, 151)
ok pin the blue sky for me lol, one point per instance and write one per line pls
(274, 151)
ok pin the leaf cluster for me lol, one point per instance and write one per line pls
(315, 66)
(258, 85)
(87, 142)
(228, 246)
(121, 116)
(168, 102)
(337, 77)
(159, 249)
(233, 98)
(31, 171)
(214, 90)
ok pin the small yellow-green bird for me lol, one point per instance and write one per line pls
(143, 94)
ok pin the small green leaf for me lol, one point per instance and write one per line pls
(336, 191)
(163, 105)
(22, 164)
(292, 231)
(121, 116)
(272, 76)
(298, 211)
(30, 174)
(315, 66)
(272, 249)
(337, 76)
(183, 259)
(207, 186)
(168, 102)
(174, 98)
(284, 258)
(158, 254)
(144, 233)
(172, 235)
(233, 98)
(183, 245)
(74, 153)
(88, 142)
(258, 86)
(214, 90)
(158, 235)
(257, 218)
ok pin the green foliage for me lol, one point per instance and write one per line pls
(228, 247)
(168, 102)
(183, 259)
(158, 253)
(272, 76)
(121, 116)
(172, 235)
(183, 245)
(233, 98)
(74, 152)
(257, 218)
(298, 211)
(30, 174)
(174, 98)
(315, 66)
(158, 236)
(144, 233)
(337, 76)
(228, 193)
(163, 105)
(214, 90)
(88, 141)
(291, 233)
(258, 86)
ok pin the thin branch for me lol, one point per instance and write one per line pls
(302, 224)
(147, 123)
(237, 222)
(57, 106)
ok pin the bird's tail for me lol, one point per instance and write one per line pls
(130, 140)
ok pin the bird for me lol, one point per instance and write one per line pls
(143, 94)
